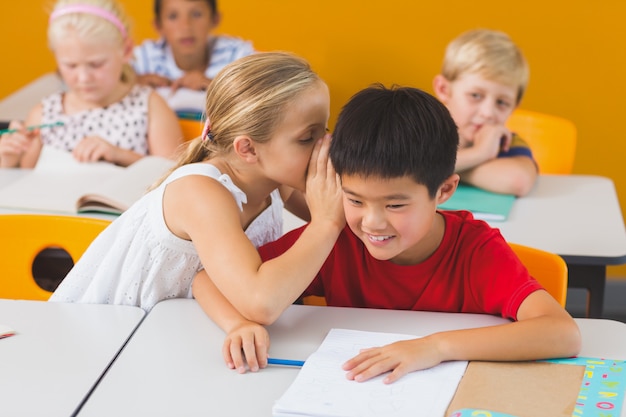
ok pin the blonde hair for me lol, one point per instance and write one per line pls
(91, 26)
(249, 97)
(489, 53)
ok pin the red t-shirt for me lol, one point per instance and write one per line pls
(473, 271)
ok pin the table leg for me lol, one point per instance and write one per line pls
(593, 279)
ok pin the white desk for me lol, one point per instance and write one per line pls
(173, 364)
(16, 106)
(578, 217)
(59, 353)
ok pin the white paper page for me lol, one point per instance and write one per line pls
(321, 387)
(124, 189)
(56, 183)
(184, 98)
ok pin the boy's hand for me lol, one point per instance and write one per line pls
(400, 357)
(153, 80)
(490, 139)
(248, 342)
(194, 80)
(323, 187)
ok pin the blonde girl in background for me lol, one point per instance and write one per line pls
(264, 142)
(104, 114)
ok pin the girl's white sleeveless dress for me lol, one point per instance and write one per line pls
(137, 260)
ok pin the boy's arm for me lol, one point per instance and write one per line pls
(543, 330)
(242, 335)
(508, 175)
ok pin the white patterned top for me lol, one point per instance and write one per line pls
(138, 261)
(123, 123)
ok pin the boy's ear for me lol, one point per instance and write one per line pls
(441, 86)
(245, 149)
(217, 18)
(448, 188)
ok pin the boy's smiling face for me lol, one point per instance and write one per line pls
(395, 218)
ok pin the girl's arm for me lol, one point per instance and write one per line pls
(205, 210)
(164, 132)
(543, 330)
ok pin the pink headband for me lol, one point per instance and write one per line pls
(90, 9)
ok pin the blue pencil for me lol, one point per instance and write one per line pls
(286, 362)
(43, 126)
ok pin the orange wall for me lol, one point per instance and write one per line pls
(576, 51)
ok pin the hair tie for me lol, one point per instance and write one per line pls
(89, 9)
(206, 131)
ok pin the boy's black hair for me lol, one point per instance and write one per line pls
(159, 3)
(395, 132)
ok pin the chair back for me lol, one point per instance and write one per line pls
(549, 269)
(552, 139)
(24, 236)
(191, 128)
(546, 267)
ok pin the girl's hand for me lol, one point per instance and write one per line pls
(14, 145)
(248, 342)
(400, 358)
(323, 186)
(94, 148)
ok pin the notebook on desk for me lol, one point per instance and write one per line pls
(485, 205)
(322, 390)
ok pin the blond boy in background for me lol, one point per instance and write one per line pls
(483, 78)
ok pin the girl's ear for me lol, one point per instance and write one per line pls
(441, 86)
(245, 149)
(448, 188)
(128, 49)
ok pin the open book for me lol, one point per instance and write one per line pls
(484, 205)
(322, 390)
(61, 184)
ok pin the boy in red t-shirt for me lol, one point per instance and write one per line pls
(394, 150)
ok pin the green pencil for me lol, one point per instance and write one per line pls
(42, 126)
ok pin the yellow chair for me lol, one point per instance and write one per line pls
(191, 128)
(546, 267)
(24, 236)
(552, 139)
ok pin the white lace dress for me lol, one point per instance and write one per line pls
(138, 261)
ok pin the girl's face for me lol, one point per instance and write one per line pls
(185, 24)
(91, 70)
(285, 157)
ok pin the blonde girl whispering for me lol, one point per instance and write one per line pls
(264, 143)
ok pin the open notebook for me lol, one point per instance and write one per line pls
(485, 205)
(322, 390)
(61, 184)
